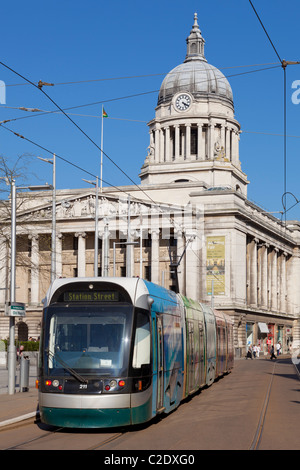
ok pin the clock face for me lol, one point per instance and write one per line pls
(183, 102)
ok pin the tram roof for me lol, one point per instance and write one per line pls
(138, 289)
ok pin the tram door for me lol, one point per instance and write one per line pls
(191, 358)
(201, 354)
(160, 363)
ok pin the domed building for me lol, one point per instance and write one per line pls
(194, 136)
(191, 221)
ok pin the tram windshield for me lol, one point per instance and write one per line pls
(90, 340)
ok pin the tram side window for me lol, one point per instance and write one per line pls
(141, 351)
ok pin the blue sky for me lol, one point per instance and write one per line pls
(70, 41)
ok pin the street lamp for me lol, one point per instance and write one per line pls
(96, 226)
(53, 235)
(11, 350)
(114, 253)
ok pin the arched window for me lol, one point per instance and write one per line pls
(22, 331)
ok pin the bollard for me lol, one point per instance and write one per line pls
(24, 374)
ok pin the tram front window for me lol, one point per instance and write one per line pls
(91, 340)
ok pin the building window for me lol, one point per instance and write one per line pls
(75, 243)
(22, 331)
(148, 273)
(147, 242)
(123, 271)
(194, 140)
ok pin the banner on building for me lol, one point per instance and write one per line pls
(215, 265)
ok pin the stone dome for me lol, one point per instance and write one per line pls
(195, 75)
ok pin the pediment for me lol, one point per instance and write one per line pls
(83, 206)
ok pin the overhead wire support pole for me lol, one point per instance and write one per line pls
(284, 64)
(53, 238)
(101, 164)
(11, 348)
(96, 242)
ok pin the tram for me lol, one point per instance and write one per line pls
(119, 351)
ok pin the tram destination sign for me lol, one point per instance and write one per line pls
(15, 309)
(93, 296)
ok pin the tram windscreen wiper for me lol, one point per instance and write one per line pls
(68, 368)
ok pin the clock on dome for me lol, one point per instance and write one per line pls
(183, 102)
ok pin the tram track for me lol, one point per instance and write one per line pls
(255, 445)
(49, 434)
(274, 380)
(34, 439)
(259, 430)
(107, 441)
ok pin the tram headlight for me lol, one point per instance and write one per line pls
(55, 383)
(112, 383)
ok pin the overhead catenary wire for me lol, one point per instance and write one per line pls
(75, 82)
(110, 100)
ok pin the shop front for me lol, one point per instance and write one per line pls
(262, 337)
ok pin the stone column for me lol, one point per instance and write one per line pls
(274, 289)
(227, 148)
(35, 287)
(253, 272)
(201, 143)
(152, 147)
(264, 276)
(177, 143)
(283, 282)
(188, 141)
(155, 274)
(161, 146)
(167, 145)
(211, 140)
(248, 271)
(81, 253)
(157, 142)
(235, 148)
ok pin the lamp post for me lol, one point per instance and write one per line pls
(96, 225)
(11, 349)
(114, 253)
(53, 234)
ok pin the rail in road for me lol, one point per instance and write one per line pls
(255, 407)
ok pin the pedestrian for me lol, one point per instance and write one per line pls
(272, 353)
(278, 347)
(257, 350)
(20, 353)
(249, 353)
(254, 351)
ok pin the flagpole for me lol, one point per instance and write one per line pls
(101, 166)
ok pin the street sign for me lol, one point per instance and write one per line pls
(15, 309)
